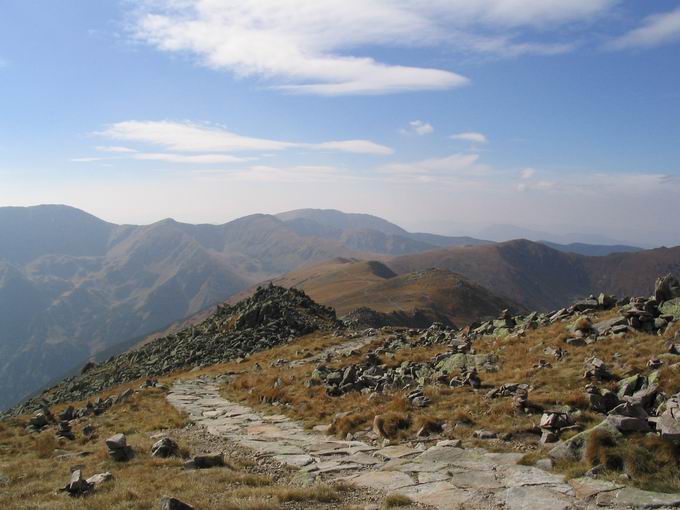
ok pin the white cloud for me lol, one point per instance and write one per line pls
(199, 159)
(655, 30)
(268, 173)
(192, 137)
(311, 45)
(450, 169)
(114, 149)
(3, 63)
(527, 173)
(418, 127)
(86, 160)
(470, 136)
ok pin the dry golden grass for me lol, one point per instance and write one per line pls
(29, 461)
(396, 500)
(562, 385)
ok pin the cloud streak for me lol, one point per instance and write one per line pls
(470, 136)
(309, 47)
(192, 137)
(655, 30)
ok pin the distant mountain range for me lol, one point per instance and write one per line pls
(73, 286)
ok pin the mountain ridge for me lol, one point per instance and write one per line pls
(73, 286)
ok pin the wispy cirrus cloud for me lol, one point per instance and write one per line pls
(116, 149)
(470, 136)
(655, 30)
(195, 159)
(311, 47)
(193, 137)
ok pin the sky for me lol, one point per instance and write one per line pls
(443, 115)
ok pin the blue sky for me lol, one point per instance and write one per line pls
(444, 115)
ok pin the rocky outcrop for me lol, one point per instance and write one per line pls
(272, 316)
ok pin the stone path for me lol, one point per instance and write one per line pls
(443, 476)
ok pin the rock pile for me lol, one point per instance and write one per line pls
(373, 376)
(553, 423)
(272, 316)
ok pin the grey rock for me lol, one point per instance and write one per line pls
(206, 461)
(77, 486)
(165, 447)
(100, 478)
(168, 503)
(628, 424)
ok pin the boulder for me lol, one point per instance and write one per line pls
(668, 424)
(100, 478)
(628, 423)
(666, 287)
(671, 308)
(77, 485)
(601, 400)
(606, 301)
(606, 326)
(118, 448)
(206, 461)
(596, 369)
(64, 430)
(572, 449)
(555, 420)
(165, 447)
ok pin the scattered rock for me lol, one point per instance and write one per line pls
(100, 478)
(205, 461)
(118, 448)
(77, 486)
(484, 434)
(165, 447)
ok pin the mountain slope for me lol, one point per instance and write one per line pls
(417, 298)
(367, 233)
(72, 285)
(594, 250)
(540, 277)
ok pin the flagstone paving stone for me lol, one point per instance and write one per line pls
(445, 476)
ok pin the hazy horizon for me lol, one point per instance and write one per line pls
(446, 117)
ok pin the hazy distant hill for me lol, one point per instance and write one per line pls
(364, 232)
(595, 250)
(432, 294)
(542, 278)
(72, 285)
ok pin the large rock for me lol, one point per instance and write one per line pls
(118, 448)
(165, 447)
(206, 461)
(628, 423)
(572, 449)
(669, 421)
(666, 288)
(672, 308)
(77, 485)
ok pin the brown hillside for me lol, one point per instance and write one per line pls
(348, 284)
(542, 278)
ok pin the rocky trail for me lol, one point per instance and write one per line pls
(444, 476)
